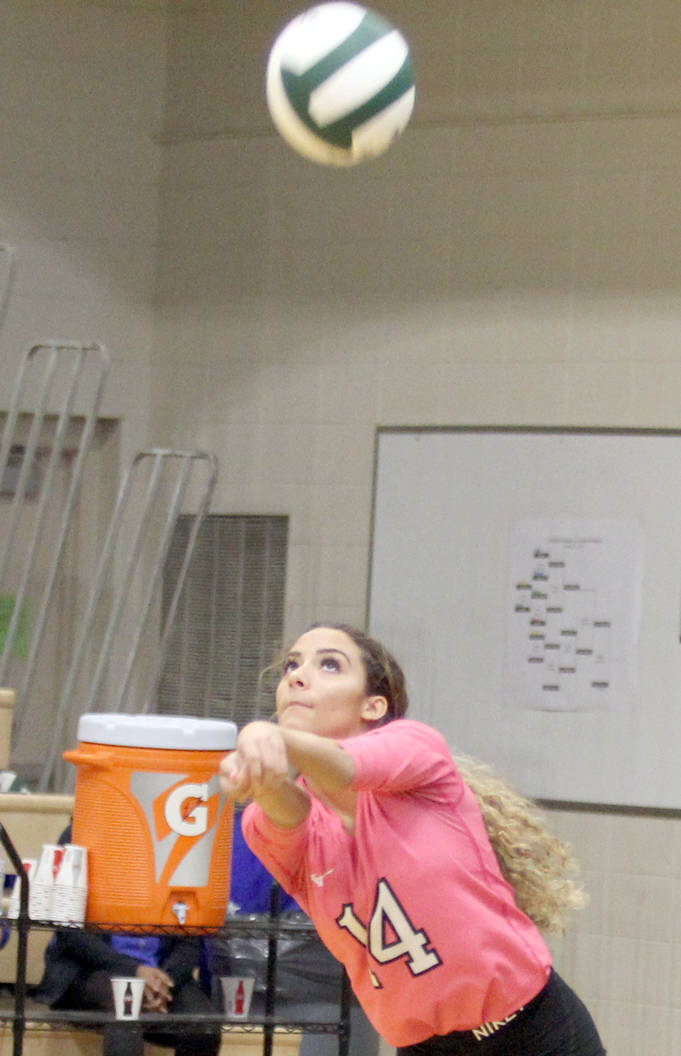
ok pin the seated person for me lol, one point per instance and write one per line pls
(79, 965)
(308, 977)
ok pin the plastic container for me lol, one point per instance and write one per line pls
(149, 810)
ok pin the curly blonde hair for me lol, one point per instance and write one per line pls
(538, 866)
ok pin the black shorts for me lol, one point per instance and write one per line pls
(554, 1023)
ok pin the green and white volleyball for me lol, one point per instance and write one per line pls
(340, 84)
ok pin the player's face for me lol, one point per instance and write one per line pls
(323, 689)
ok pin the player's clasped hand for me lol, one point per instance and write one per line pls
(157, 988)
(258, 766)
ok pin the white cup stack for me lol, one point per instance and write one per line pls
(29, 865)
(69, 895)
(42, 885)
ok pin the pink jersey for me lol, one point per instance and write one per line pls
(413, 903)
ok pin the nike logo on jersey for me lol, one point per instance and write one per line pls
(319, 878)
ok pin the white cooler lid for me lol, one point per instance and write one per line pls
(184, 732)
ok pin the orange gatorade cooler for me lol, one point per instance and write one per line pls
(149, 810)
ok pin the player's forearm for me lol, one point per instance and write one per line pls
(320, 759)
(286, 807)
(260, 769)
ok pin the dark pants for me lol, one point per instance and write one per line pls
(554, 1023)
(94, 992)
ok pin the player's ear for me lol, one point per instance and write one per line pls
(374, 709)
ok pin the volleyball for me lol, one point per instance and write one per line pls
(340, 84)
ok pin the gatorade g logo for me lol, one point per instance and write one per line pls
(182, 816)
(183, 813)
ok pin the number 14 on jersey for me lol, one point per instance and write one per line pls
(389, 918)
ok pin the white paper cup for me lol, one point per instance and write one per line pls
(237, 991)
(128, 991)
(49, 862)
(68, 904)
(29, 865)
(73, 866)
(69, 894)
(42, 885)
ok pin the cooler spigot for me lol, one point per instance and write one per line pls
(180, 910)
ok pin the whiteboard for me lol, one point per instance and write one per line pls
(528, 580)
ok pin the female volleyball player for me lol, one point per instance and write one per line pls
(432, 895)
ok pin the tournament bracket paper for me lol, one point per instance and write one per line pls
(574, 613)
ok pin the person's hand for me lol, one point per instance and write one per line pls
(157, 988)
(258, 766)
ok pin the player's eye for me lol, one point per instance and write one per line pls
(329, 663)
(289, 665)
